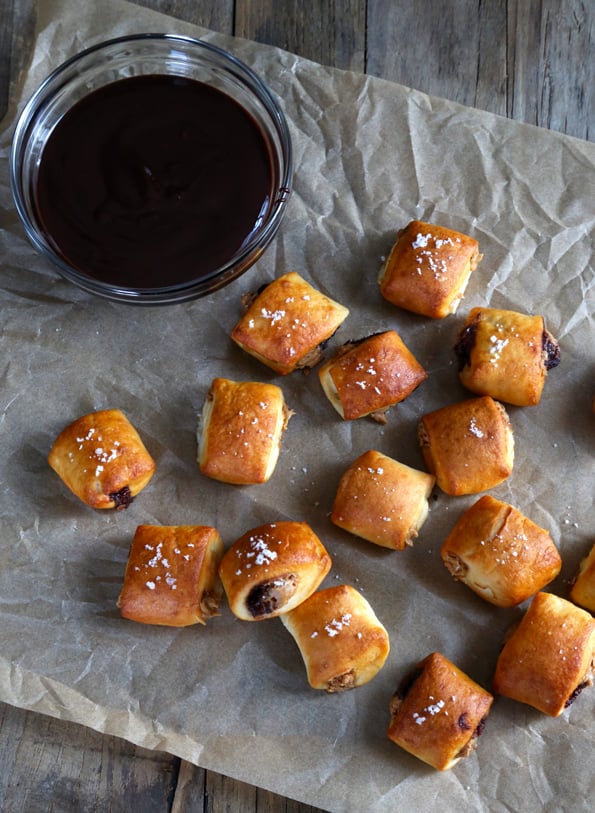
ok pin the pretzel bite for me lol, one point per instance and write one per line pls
(342, 642)
(273, 568)
(506, 355)
(428, 269)
(583, 588)
(171, 577)
(240, 431)
(468, 446)
(382, 500)
(500, 554)
(287, 323)
(438, 712)
(550, 657)
(102, 460)
(368, 376)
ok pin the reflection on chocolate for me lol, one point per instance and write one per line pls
(153, 181)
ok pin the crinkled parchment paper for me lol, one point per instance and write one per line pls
(369, 156)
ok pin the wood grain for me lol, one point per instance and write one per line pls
(457, 49)
(215, 14)
(332, 32)
(530, 60)
(551, 64)
(46, 764)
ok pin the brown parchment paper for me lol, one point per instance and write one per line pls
(369, 156)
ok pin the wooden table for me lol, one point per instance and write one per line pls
(530, 60)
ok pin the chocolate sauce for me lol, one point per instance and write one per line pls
(466, 342)
(551, 350)
(153, 181)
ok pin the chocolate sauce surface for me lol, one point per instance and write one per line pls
(153, 181)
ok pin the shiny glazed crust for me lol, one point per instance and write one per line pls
(549, 657)
(273, 568)
(240, 431)
(102, 460)
(172, 575)
(500, 554)
(382, 500)
(438, 713)
(504, 355)
(370, 375)
(583, 589)
(428, 269)
(468, 446)
(342, 642)
(286, 324)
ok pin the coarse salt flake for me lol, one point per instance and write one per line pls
(421, 240)
(335, 626)
(274, 316)
(474, 428)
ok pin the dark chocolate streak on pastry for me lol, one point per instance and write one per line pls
(121, 498)
(266, 597)
(349, 345)
(576, 693)
(480, 727)
(551, 350)
(463, 723)
(465, 343)
(356, 342)
(315, 355)
(471, 744)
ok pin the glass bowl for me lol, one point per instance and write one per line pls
(226, 221)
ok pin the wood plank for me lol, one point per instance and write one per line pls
(215, 14)
(191, 789)
(47, 764)
(531, 60)
(453, 50)
(267, 802)
(211, 792)
(225, 795)
(6, 36)
(551, 64)
(332, 32)
(17, 22)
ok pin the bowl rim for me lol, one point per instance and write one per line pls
(236, 265)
